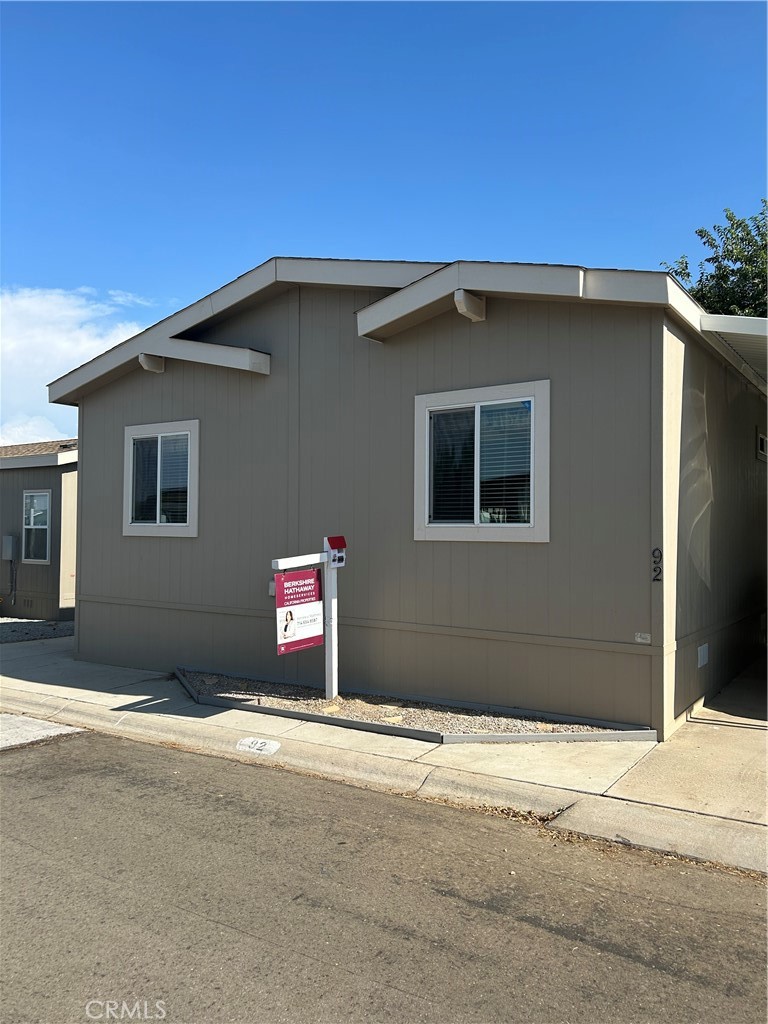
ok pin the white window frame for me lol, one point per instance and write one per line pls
(537, 531)
(188, 529)
(24, 528)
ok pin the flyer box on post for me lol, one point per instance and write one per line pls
(299, 601)
(336, 549)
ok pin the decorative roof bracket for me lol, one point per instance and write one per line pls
(469, 305)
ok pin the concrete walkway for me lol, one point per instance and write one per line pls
(702, 794)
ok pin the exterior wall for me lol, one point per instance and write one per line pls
(720, 523)
(325, 445)
(38, 593)
(67, 561)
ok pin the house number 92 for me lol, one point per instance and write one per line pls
(656, 555)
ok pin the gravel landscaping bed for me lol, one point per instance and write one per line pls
(359, 707)
(13, 631)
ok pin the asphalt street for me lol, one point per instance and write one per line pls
(215, 891)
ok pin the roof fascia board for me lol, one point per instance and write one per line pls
(429, 296)
(636, 287)
(743, 326)
(289, 270)
(245, 287)
(259, 281)
(415, 302)
(228, 356)
(67, 389)
(434, 293)
(352, 273)
(35, 461)
(522, 279)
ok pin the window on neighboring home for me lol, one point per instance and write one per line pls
(37, 527)
(160, 479)
(482, 464)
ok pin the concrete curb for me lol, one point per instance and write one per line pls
(374, 771)
(699, 837)
(702, 837)
(459, 787)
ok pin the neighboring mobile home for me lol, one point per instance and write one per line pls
(38, 522)
(551, 481)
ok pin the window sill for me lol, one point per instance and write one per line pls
(505, 534)
(159, 530)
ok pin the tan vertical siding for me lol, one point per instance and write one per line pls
(325, 444)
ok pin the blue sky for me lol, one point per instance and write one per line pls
(154, 151)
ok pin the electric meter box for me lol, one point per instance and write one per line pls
(10, 548)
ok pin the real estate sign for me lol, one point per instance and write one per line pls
(299, 603)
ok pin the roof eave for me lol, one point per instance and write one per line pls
(68, 390)
(433, 295)
(257, 285)
(37, 461)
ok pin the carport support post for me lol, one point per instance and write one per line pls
(331, 630)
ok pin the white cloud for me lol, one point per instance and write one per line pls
(26, 429)
(46, 333)
(128, 299)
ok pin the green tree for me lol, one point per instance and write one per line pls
(732, 280)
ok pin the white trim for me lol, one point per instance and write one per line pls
(33, 461)
(269, 278)
(297, 561)
(740, 340)
(127, 356)
(153, 364)
(47, 527)
(538, 530)
(435, 294)
(469, 305)
(188, 529)
(746, 326)
(422, 290)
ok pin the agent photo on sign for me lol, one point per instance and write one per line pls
(289, 628)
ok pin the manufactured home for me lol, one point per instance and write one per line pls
(38, 520)
(551, 480)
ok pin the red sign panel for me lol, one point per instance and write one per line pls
(299, 601)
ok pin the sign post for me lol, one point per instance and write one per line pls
(300, 610)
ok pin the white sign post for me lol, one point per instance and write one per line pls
(331, 559)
